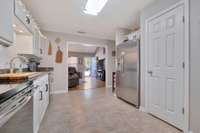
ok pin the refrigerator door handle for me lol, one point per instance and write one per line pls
(150, 72)
(122, 63)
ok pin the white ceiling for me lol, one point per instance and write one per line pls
(66, 16)
(82, 49)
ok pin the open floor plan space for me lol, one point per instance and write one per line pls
(98, 111)
(89, 83)
(99, 66)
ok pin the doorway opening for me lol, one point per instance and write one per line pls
(86, 66)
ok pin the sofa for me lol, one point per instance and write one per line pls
(73, 77)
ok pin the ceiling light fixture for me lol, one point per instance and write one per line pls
(87, 45)
(14, 25)
(21, 31)
(94, 7)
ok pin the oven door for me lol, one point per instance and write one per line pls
(18, 116)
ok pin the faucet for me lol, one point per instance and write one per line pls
(22, 59)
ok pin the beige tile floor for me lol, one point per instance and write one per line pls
(89, 83)
(97, 111)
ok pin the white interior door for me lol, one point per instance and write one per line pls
(165, 64)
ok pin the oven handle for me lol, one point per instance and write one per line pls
(20, 104)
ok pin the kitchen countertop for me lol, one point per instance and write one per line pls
(19, 77)
(7, 90)
(40, 69)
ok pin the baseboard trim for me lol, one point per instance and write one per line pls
(142, 109)
(190, 132)
(59, 92)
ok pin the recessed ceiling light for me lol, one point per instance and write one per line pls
(21, 31)
(94, 7)
(87, 45)
(14, 25)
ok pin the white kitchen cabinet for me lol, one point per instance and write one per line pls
(39, 43)
(43, 41)
(27, 44)
(22, 14)
(46, 96)
(36, 42)
(36, 109)
(6, 21)
(121, 35)
(41, 100)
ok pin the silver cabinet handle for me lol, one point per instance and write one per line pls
(28, 21)
(41, 95)
(47, 87)
(123, 63)
(150, 72)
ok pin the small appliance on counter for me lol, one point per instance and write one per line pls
(33, 62)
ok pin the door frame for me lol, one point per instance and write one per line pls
(82, 43)
(185, 4)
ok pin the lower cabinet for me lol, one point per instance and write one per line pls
(36, 112)
(41, 100)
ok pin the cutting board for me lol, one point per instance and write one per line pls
(59, 56)
(14, 77)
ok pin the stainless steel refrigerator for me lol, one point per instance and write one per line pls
(128, 72)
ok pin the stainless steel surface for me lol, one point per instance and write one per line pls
(41, 95)
(150, 72)
(128, 72)
(16, 116)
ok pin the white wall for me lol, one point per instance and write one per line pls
(60, 70)
(194, 65)
(148, 12)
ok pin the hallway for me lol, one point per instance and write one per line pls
(97, 111)
(89, 83)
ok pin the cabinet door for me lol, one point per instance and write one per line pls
(22, 14)
(36, 42)
(36, 112)
(42, 45)
(42, 101)
(6, 15)
(46, 95)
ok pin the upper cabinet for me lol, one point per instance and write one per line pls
(36, 43)
(18, 27)
(22, 14)
(39, 43)
(29, 38)
(6, 21)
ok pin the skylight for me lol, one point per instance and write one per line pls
(94, 7)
